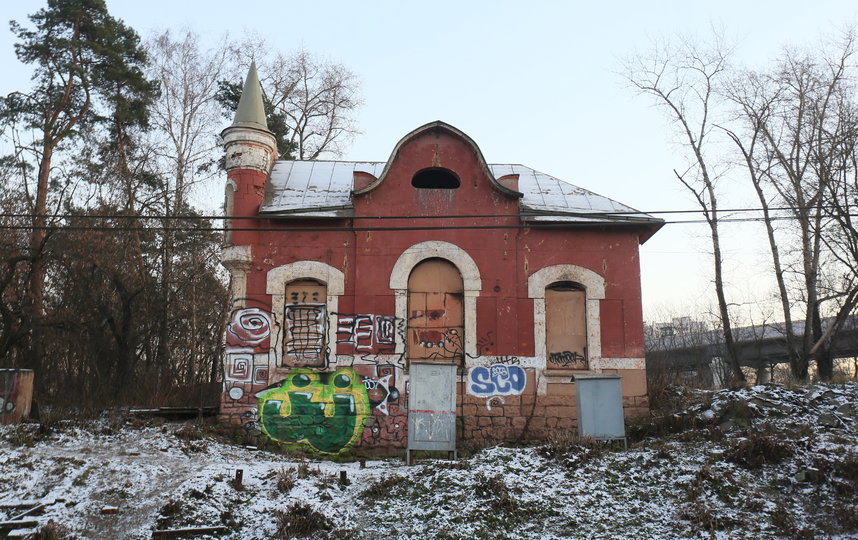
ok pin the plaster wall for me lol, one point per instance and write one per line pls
(504, 389)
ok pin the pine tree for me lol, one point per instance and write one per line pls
(83, 58)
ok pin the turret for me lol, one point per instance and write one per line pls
(250, 152)
(248, 142)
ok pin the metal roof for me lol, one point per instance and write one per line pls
(324, 188)
(251, 110)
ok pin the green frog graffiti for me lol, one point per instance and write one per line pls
(326, 411)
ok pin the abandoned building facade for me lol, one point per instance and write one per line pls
(346, 274)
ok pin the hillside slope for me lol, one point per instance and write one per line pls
(763, 462)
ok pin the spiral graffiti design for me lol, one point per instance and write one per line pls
(250, 326)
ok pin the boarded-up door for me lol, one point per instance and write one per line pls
(306, 320)
(566, 326)
(436, 317)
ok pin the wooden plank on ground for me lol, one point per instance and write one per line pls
(169, 533)
(22, 523)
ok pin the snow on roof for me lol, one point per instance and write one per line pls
(323, 189)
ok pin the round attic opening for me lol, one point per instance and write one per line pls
(435, 178)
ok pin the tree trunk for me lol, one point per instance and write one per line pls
(38, 235)
(729, 344)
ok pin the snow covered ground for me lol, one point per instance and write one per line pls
(764, 462)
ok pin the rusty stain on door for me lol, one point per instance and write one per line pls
(436, 315)
(566, 326)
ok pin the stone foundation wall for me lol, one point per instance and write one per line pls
(375, 419)
(535, 416)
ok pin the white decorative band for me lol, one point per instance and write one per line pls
(618, 363)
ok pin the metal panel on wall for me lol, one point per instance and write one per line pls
(600, 406)
(432, 407)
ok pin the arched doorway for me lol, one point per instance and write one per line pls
(436, 317)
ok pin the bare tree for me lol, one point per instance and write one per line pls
(316, 97)
(186, 117)
(187, 120)
(683, 80)
(798, 131)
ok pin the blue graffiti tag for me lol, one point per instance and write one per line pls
(496, 380)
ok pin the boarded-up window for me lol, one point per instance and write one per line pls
(566, 326)
(436, 317)
(306, 325)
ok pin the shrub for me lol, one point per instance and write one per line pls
(52, 531)
(846, 516)
(285, 480)
(847, 467)
(495, 489)
(570, 450)
(382, 487)
(300, 521)
(759, 449)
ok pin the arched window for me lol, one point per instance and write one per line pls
(305, 316)
(591, 287)
(435, 178)
(566, 326)
(436, 316)
(330, 280)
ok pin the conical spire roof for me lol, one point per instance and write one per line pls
(251, 111)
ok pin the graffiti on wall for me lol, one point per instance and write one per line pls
(245, 374)
(248, 326)
(567, 359)
(367, 332)
(439, 344)
(325, 412)
(496, 380)
(386, 427)
(304, 343)
(8, 391)
(380, 384)
(249, 335)
(486, 343)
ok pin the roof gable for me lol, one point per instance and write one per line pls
(437, 128)
(330, 189)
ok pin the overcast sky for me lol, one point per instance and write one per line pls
(535, 83)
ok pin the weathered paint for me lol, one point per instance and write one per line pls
(16, 394)
(325, 411)
(368, 304)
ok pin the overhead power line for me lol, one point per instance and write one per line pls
(528, 225)
(588, 219)
(450, 216)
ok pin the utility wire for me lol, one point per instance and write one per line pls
(588, 219)
(487, 216)
(528, 225)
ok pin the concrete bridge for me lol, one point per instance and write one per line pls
(684, 348)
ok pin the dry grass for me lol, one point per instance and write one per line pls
(759, 449)
(285, 480)
(300, 521)
(382, 487)
(52, 531)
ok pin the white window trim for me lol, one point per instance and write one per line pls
(594, 289)
(468, 269)
(275, 285)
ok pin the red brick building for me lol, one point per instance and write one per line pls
(344, 273)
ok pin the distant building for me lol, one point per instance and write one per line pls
(345, 274)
